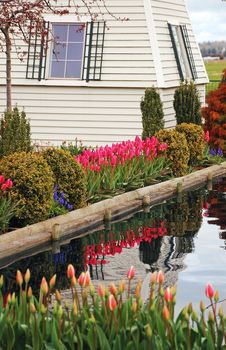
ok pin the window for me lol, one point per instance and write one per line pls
(67, 51)
(183, 51)
(76, 52)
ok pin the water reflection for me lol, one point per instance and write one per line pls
(159, 239)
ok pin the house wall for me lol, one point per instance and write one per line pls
(108, 110)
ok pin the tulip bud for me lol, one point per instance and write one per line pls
(70, 271)
(32, 308)
(92, 290)
(210, 316)
(29, 292)
(87, 279)
(138, 289)
(81, 279)
(43, 309)
(166, 313)
(148, 330)
(75, 308)
(92, 319)
(1, 281)
(216, 296)
(58, 295)
(173, 290)
(44, 286)
(161, 292)
(113, 289)
(52, 282)
(101, 290)
(202, 306)
(134, 307)
(13, 300)
(190, 308)
(220, 312)
(19, 278)
(209, 291)
(153, 277)
(112, 304)
(131, 273)
(122, 286)
(27, 276)
(160, 277)
(168, 296)
(194, 316)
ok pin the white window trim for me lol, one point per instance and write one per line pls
(65, 19)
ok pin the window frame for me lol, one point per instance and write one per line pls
(184, 57)
(50, 50)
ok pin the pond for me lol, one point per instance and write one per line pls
(184, 237)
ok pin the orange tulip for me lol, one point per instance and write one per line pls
(112, 304)
(27, 276)
(168, 296)
(160, 277)
(70, 271)
(166, 313)
(19, 278)
(44, 286)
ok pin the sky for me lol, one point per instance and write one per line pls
(208, 19)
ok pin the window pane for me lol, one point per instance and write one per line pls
(57, 69)
(76, 33)
(60, 32)
(73, 69)
(59, 51)
(75, 51)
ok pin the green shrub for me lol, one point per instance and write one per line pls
(68, 175)
(32, 185)
(195, 138)
(152, 112)
(177, 151)
(14, 133)
(187, 104)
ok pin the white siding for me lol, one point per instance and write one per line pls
(107, 111)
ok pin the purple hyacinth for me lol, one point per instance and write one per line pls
(60, 198)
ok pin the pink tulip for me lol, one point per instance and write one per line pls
(207, 136)
(131, 273)
(209, 291)
(2, 179)
(9, 183)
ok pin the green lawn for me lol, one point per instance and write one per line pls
(215, 68)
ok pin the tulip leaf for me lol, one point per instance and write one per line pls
(10, 337)
(104, 344)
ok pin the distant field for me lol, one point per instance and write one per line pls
(215, 68)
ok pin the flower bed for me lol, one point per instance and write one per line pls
(106, 318)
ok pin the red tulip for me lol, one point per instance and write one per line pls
(112, 304)
(87, 279)
(131, 273)
(113, 289)
(168, 296)
(70, 271)
(9, 183)
(81, 279)
(209, 291)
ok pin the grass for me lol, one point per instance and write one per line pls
(215, 68)
(214, 71)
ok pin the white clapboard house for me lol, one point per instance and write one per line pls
(88, 84)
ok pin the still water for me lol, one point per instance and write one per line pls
(185, 237)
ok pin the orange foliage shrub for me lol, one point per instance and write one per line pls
(215, 116)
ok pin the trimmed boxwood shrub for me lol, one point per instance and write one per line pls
(187, 103)
(33, 184)
(68, 175)
(14, 133)
(195, 138)
(177, 151)
(152, 112)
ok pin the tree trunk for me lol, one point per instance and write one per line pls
(8, 72)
